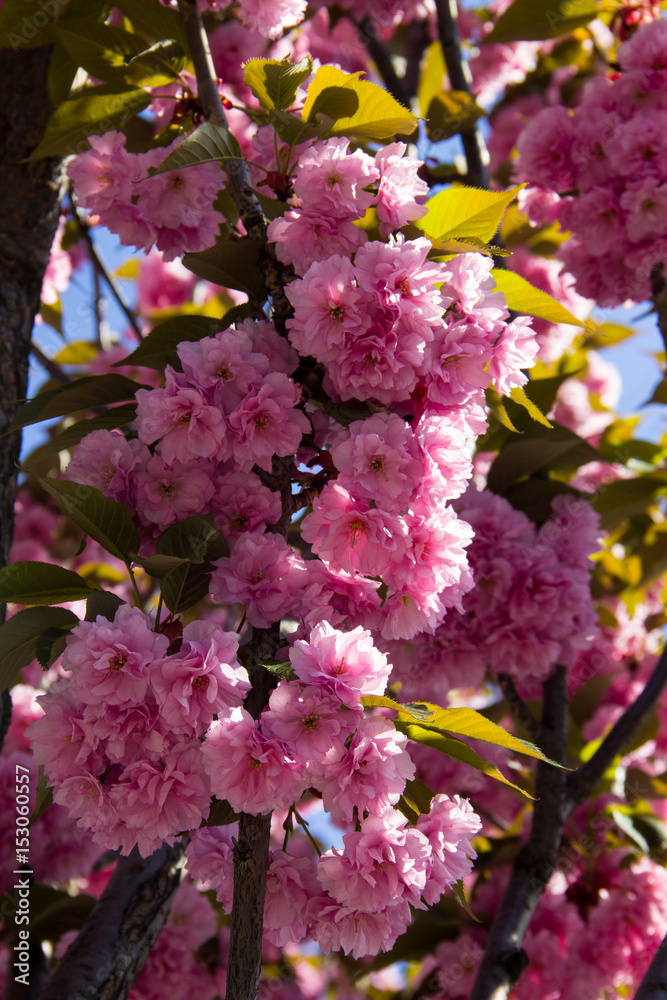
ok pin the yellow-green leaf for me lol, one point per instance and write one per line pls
(519, 396)
(432, 75)
(525, 298)
(80, 352)
(536, 20)
(275, 83)
(456, 749)
(358, 108)
(463, 721)
(451, 112)
(465, 212)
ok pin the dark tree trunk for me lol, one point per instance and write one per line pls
(29, 209)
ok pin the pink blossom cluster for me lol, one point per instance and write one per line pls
(231, 407)
(532, 607)
(385, 332)
(120, 737)
(602, 168)
(358, 897)
(331, 193)
(172, 211)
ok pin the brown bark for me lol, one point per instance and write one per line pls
(29, 210)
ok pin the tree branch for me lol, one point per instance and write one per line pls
(276, 275)
(504, 960)
(518, 708)
(659, 299)
(459, 79)
(380, 55)
(110, 951)
(582, 782)
(654, 984)
(101, 270)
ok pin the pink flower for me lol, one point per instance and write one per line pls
(243, 504)
(112, 660)
(250, 771)
(168, 493)
(378, 459)
(402, 192)
(448, 827)
(267, 423)
(210, 858)
(302, 238)
(545, 147)
(59, 738)
(357, 932)
(382, 863)
(351, 534)
(264, 574)
(107, 462)
(225, 366)
(310, 721)
(162, 285)
(328, 309)
(200, 680)
(271, 17)
(345, 663)
(290, 884)
(186, 425)
(158, 802)
(331, 180)
(371, 776)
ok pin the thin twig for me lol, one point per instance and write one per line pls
(582, 782)
(49, 365)
(276, 275)
(659, 298)
(518, 708)
(103, 272)
(459, 79)
(380, 55)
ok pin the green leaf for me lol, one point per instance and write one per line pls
(19, 635)
(617, 501)
(50, 645)
(207, 144)
(605, 334)
(43, 795)
(359, 108)
(294, 131)
(535, 496)
(518, 394)
(85, 393)
(221, 814)
(417, 798)
(462, 896)
(537, 20)
(232, 264)
(25, 24)
(162, 341)
(451, 112)
(91, 111)
(195, 542)
(462, 721)
(464, 212)
(116, 416)
(53, 315)
(456, 749)
(154, 21)
(54, 912)
(543, 391)
(104, 603)
(117, 56)
(33, 583)
(275, 83)
(105, 521)
(523, 297)
(524, 455)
